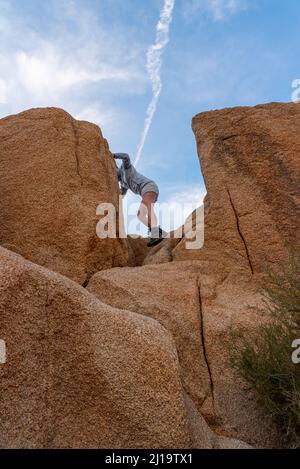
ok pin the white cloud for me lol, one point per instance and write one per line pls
(68, 66)
(3, 91)
(219, 10)
(192, 195)
(50, 72)
(183, 202)
(110, 120)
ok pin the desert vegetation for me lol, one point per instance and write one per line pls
(264, 358)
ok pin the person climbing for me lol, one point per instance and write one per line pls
(129, 178)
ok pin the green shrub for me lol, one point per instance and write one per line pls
(264, 359)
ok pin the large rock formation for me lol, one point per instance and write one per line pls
(250, 162)
(251, 167)
(54, 173)
(140, 357)
(249, 159)
(82, 374)
(200, 311)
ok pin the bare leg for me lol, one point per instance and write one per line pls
(146, 212)
(143, 214)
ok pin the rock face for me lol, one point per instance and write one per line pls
(251, 166)
(200, 311)
(169, 295)
(140, 357)
(54, 173)
(137, 250)
(80, 373)
(249, 158)
(250, 162)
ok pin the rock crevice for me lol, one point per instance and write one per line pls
(203, 342)
(239, 230)
(76, 149)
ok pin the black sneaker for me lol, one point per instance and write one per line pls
(154, 241)
(157, 236)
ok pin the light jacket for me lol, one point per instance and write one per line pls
(129, 177)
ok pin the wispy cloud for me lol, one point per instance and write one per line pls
(105, 117)
(154, 64)
(181, 203)
(76, 62)
(48, 71)
(3, 96)
(219, 10)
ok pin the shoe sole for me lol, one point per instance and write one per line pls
(150, 245)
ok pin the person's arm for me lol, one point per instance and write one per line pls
(119, 174)
(123, 189)
(124, 157)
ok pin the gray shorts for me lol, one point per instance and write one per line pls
(150, 187)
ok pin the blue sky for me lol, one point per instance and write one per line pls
(89, 57)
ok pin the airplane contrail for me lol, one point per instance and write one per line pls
(154, 63)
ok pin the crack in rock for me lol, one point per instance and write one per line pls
(240, 232)
(76, 145)
(48, 398)
(228, 137)
(202, 326)
(88, 277)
